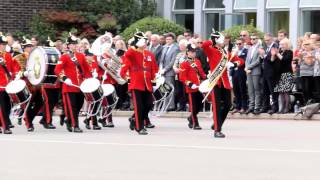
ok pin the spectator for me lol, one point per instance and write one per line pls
(155, 47)
(239, 79)
(253, 71)
(282, 34)
(317, 72)
(35, 41)
(162, 40)
(244, 35)
(187, 34)
(307, 60)
(169, 53)
(285, 84)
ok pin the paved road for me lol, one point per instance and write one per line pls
(253, 150)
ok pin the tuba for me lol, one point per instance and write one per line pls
(22, 60)
(112, 66)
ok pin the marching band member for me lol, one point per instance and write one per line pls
(221, 93)
(142, 68)
(50, 94)
(72, 69)
(8, 70)
(191, 73)
(97, 67)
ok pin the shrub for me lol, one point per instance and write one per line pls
(155, 24)
(234, 31)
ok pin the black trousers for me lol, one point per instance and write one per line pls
(195, 106)
(36, 103)
(73, 102)
(317, 88)
(122, 92)
(308, 85)
(142, 102)
(181, 96)
(5, 107)
(239, 80)
(268, 89)
(51, 99)
(221, 104)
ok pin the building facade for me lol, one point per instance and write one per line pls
(200, 16)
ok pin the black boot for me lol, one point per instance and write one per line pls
(132, 123)
(87, 123)
(68, 126)
(189, 122)
(103, 122)
(7, 131)
(51, 126)
(62, 119)
(31, 128)
(143, 132)
(44, 123)
(96, 127)
(218, 134)
(77, 130)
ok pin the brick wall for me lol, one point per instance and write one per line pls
(16, 14)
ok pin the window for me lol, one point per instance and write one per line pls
(183, 4)
(309, 3)
(278, 20)
(251, 18)
(212, 21)
(245, 4)
(229, 20)
(278, 4)
(186, 20)
(213, 4)
(311, 21)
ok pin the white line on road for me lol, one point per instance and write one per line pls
(165, 146)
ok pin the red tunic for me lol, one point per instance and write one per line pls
(100, 71)
(66, 68)
(12, 66)
(214, 56)
(142, 69)
(188, 74)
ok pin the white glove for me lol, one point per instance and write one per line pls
(194, 86)
(94, 74)
(68, 82)
(162, 71)
(154, 88)
(230, 64)
(26, 73)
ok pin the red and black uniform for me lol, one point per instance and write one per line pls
(221, 94)
(191, 74)
(8, 69)
(77, 71)
(142, 68)
(109, 80)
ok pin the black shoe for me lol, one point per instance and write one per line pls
(0, 131)
(31, 129)
(189, 122)
(87, 123)
(249, 111)
(96, 127)
(11, 126)
(103, 122)
(197, 127)
(271, 111)
(150, 126)
(132, 124)
(68, 126)
(212, 126)
(256, 112)
(110, 125)
(77, 130)
(7, 131)
(143, 132)
(44, 124)
(51, 126)
(219, 135)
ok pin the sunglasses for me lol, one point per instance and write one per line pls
(243, 35)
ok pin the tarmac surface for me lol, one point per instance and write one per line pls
(253, 150)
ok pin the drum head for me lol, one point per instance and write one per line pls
(204, 86)
(15, 86)
(90, 85)
(107, 89)
(37, 66)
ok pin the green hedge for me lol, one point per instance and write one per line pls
(234, 31)
(157, 25)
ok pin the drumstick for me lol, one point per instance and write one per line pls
(104, 75)
(72, 85)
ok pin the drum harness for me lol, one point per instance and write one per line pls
(76, 62)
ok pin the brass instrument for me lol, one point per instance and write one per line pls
(113, 65)
(22, 60)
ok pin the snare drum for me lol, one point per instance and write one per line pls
(92, 90)
(109, 94)
(41, 64)
(18, 92)
(204, 89)
(162, 89)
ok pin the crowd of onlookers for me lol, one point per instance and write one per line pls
(274, 79)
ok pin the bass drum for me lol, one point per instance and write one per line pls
(41, 64)
(18, 92)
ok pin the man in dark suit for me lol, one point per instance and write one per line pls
(155, 47)
(270, 75)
